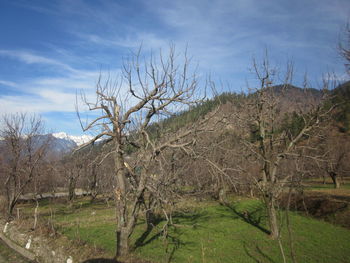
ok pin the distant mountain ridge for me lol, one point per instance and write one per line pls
(57, 144)
(62, 142)
(78, 140)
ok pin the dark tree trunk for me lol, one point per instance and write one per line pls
(71, 189)
(93, 184)
(10, 207)
(335, 179)
(150, 219)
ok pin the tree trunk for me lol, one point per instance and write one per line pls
(222, 195)
(272, 217)
(122, 235)
(122, 243)
(251, 191)
(93, 184)
(150, 219)
(335, 179)
(71, 189)
(10, 207)
(36, 214)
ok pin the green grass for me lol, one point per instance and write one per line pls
(327, 186)
(208, 232)
(317, 184)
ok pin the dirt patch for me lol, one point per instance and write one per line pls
(48, 247)
(52, 247)
(8, 255)
(331, 208)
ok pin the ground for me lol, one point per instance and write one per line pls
(207, 231)
(7, 255)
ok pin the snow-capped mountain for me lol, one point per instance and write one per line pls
(78, 140)
(59, 143)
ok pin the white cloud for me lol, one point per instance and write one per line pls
(37, 104)
(30, 58)
(8, 83)
(46, 94)
(43, 94)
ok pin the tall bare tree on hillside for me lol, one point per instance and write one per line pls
(274, 146)
(154, 89)
(23, 154)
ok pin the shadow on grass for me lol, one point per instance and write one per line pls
(179, 218)
(172, 238)
(190, 218)
(108, 260)
(100, 260)
(175, 240)
(171, 247)
(141, 240)
(252, 217)
(257, 259)
(171, 242)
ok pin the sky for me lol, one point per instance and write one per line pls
(50, 50)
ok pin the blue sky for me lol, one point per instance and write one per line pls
(51, 49)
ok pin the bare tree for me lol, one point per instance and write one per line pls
(73, 170)
(219, 163)
(334, 158)
(344, 47)
(274, 146)
(24, 152)
(155, 89)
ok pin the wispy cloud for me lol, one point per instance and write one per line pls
(133, 41)
(36, 104)
(31, 58)
(8, 83)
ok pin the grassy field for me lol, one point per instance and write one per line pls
(206, 232)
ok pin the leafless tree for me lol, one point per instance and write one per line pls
(344, 47)
(334, 156)
(155, 89)
(24, 153)
(73, 170)
(220, 169)
(92, 166)
(273, 146)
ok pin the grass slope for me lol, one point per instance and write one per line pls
(208, 232)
